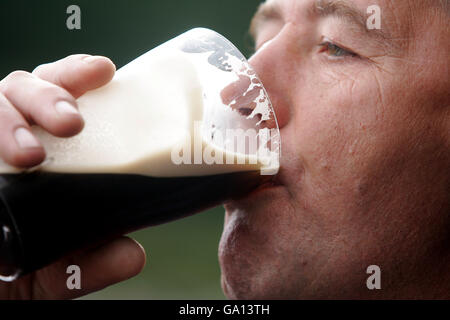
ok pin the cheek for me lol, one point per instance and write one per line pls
(332, 123)
(333, 131)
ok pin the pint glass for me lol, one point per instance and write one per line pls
(186, 126)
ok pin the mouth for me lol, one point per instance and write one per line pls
(274, 183)
(263, 188)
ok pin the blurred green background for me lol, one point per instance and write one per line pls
(182, 256)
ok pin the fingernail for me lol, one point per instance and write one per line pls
(92, 59)
(25, 139)
(64, 107)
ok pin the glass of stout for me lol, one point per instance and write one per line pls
(185, 127)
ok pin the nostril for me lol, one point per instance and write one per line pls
(244, 95)
(235, 90)
(281, 108)
(273, 63)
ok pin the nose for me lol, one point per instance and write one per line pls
(272, 65)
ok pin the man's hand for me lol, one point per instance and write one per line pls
(46, 98)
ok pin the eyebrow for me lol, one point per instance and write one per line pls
(342, 9)
(266, 11)
(348, 12)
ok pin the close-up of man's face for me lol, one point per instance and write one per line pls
(364, 116)
(322, 127)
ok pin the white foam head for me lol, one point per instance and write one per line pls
(151, 108)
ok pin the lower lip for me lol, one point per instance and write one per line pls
(263, 189)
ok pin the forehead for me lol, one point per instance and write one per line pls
(396, 16)
(362, 4)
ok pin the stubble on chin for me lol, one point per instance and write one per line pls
(252, 252)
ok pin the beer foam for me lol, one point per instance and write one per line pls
(133, 123)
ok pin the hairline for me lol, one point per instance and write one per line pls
(342, 9)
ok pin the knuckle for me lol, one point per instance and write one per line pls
(12, 79)
(17, 75)
(3, 102)
(8, 117)
(49, 91)
(55, 93)
(40, 68)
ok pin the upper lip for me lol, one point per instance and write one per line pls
(273, 182)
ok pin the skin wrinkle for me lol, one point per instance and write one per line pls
(380, 91)
(400, 25)
(339, 211)
(345, 10)
(391, 45)
(357, 19)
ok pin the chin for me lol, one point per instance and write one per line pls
(256, 245)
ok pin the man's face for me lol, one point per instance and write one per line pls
(364, 118)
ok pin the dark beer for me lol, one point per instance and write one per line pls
(191, 107)
(45, 216)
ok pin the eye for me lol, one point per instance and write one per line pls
(335, 51)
